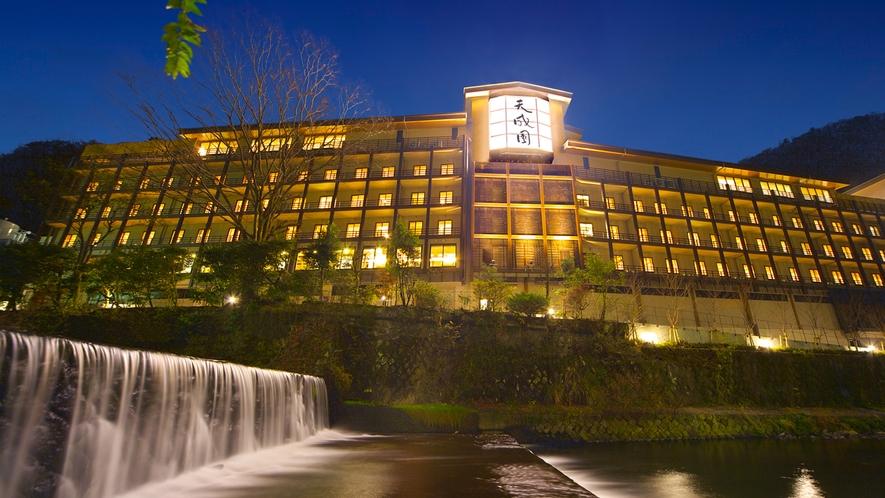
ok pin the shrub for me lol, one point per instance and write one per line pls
(527, 303)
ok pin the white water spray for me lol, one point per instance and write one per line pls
(80, 420)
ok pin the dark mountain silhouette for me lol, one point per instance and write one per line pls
(850, 150)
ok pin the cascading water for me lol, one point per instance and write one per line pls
(80, 420)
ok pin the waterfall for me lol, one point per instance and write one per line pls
(80, 420)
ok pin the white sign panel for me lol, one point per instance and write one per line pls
(519, 123)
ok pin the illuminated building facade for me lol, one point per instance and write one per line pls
(507, 183)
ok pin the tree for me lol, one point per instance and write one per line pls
(324, 252)
(246, 271)
(179, 35)
(138, 275)
(36, 268)
(403, 259)
(268, 115)
(676, 289)
(597, 276)
(527, 303)
(490, 290)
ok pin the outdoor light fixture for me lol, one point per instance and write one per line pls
(231, 300)
(764, 342)
(483, 304)
(648, 337)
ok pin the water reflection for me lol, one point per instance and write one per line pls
(806, 468)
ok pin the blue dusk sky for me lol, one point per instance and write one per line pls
(717, 80)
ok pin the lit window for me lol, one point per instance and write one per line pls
(687, 211)
(749, 272)
(619, 262)
(241, 206)
(615, 232)
(169, 182)
(731, 216)
(81, 213)
(867, 254)
(881, 254)
(419, 170)
(769, 273)
(325, 202)
(357, 200)
(837, 277)
(145, 182)
(806, 248)
(158, 208)
(361, 173)
(877, 279)
(818, 224)
(319, 230)
(273, 177)
(106, 212)
(586, 229)
(667, 236)
(444, 227)
(837, 226)
(815, 193)
(707, 214)
(133, 211)
(721, 269)
(794, 275)
(218, 180)
(696, 238)
(638, 207)
(124, 238)
(785, 247)
(815, 275)
(233, 235)
(610, 203)
(302, 175)
(330, 174)
(301, 260)
(296, 203)
(69, 240)
(714, 240)
(202, 236)
(387, 172)
(660, 208)
(753, 218)
(417, 198)
(643, 234)
(385, 199)
(216, 147)
(270, 144)
(857, 229)
(732, 183)
(186, 208)
(700, 268)
(779, 189)
(776, 220)
(828, 250)
(291, 232)
(416, 227)
(739, 242)
(648, 265)
(445, 197)
(353, 230)
(443, 255)
(92, 186)
(195, 180)
(95, 238)
(382, 228)
(314, 142)
(760, 245)
(149, 237)
(797, 223)
(583, 200)
(856, 278)
(672, 266)
(374, 257)
(874, 231)
(447, 169)
(264, 204)
(176, 237)
(846, 252)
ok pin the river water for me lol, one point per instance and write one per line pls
(770, 468)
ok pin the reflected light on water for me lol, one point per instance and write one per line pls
(672, 483)
(805, 486)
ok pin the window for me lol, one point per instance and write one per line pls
(69, 240)
(721, 269)
(445, 197)
(382, 228)
(619, 262)
(687, 211)
(815, 193)
(806, 248)
(301, 260)
(374, 257)
(202, 236)
(144, 183)
(749, 272)
(785, 247)
(353, 230)
(291, 232)
(856, 278)
(881, 254)
(700, 268)
(828, 250)
(643, 234)
(385, 199)
(177, 235)
(241, 206)
(648, 265)
(92, 186)
(325, 202)
(444, 227)
(731, 216)
(667, 236)
(583, 200)
(610, 203)
(760, 245)
(210, 206)
(733, 183)
(615, 232)
(837, 277)
(273, 177)
(586, 229)
(867, 254)
(714, 240)
(707, 214)
(387, 172)
(302, 175)
(794, 275)
(95, 238)
(106, 212)
(696, 238)
(874, 231)
(186, 208)
(315, 142)
(233, 235)
(419, 170)
(797, 222)
(330, 174)
(447, 169)
(124, 238)
(815, 275)
(857, 229)
(158, 208)
(319, 230)
(133, 211)
(753, 218)
(118, 185)
(776, 220)
(672, 266)
(769, 273)
(416, 227)
(361, 173)
(264, 204)
(219, 179)
(818, 225)
(443, 255)
(638, 207)
(778, 189)
(169, 182)
(837, 226)
(417, 198)
(270, 144)
(846, 252)
(195, 180)
(296, 203)
(877, 279)
(739, 242)
(149, 237)
(216, 147)
(660, 208)
(81, 214)
(356, 200)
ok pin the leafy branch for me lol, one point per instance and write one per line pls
(180, 35)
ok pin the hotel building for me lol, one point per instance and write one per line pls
(507, 183)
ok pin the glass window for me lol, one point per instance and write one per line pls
(846, 252)
(643, 234)
(856, 278)
(638, 207)
(776, 220)
(216, 147)
(296, 203)
(445, 197)
(319, 230)
(672, 266)
(867, 254)
(815, 275)
(233, 235)
(124, 238)
(769, 273)
(797, 222)
(687, 211)
(779, 189)
(209, 207)
(815, 193)
(382, 229)
(81, 214)
(158, 208)
(291, 232)
(361, 173)
(857, 229)
(416, 227)
(648, 265)
(149, 237)
(721, 269)
(447, 169)
(270, 144)
(353, 230)
(619, 262)
(374, 257)
(419, 170)
(837, 277)
(145, 182)
(837, 226)
(828, 250)
(444, 227)
(806, 248)
(330, 174)
(417, 198)
(760, 245)
(734, 183)
(610, 203)
(443, 255)
(387, 172)
(586, 229)
(615, 232)
(877, 279)
(700, 268)
(753, 218)
(794, 275)
(273, 177)
(874, 231)
(315, 142)
(325, 202)
(69, 240)
(92, 186)
(385, 199)
(583, 200)
(818, 225)
(356, 200)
